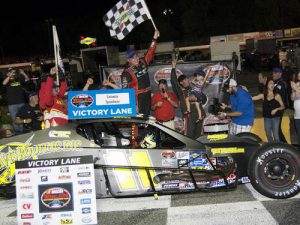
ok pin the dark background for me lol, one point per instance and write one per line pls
(25, 26)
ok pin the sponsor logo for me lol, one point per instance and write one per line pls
(86, 210)
(27, 216)
(165, 73)
(85, 201)
(82, 100)
(46, 216)
(66, 221)
(44, 178)
(82, 182)
(59, 134)
(183, 162)
(183, 155)
(85, 191)
(168, 154)
(24, 172)
(186, 186)
(64, 177)
(217, 183)
(84, 167)
(44, 170)
(170, 186)
(66, 215)
(26, 206)
(64, 169)
(24, 180)
(84, 174)
(28, 195)
(26, 223)
(56, 197)
(25, 187)
(245, 180)
(86, 219)
(232, 150)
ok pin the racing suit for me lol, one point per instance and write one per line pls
(137, 77)
(53, 107)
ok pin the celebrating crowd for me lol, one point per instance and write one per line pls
(48, 108)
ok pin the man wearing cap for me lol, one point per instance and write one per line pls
(30, 114)
(280, 87)
(182, 89)
(135, 75)
(242, 109)
(164, 103)
(52, 103)
(14, 82)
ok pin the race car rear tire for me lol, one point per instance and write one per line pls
(274, 170)
(249, 136)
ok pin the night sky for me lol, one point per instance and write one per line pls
(24, 25)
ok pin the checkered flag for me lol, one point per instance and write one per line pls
(124, 16)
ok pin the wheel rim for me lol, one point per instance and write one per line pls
(279, 171)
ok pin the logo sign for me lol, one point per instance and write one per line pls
(27, 216)
(168, 154)
(55, 198)
(84, 174)
(85, 201)
(26, 206)
(44, 178)
(82, 100)
(101, 104)
(66, 221)
(59, 134)
(86, 210)
(64, 169)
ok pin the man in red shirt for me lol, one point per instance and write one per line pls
(164, 103)
(52, 101)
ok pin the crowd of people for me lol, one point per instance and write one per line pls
(48, 107)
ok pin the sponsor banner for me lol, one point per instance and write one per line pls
(219, 74)
(101, 104)
(49, 191)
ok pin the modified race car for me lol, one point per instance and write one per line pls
(137, 157)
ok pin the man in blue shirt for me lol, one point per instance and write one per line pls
(242, 109)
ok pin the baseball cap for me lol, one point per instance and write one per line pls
(54, 85)
(10, 69)
(130, 53)
(277, 70)
(31, 94)
(199, 72)
(162, 81)
(232, 83)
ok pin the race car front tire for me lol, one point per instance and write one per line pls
(274, 170)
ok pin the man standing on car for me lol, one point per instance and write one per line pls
(14, 82)
(280, 88)
(135, 75)
(242, 109)
(164, 103)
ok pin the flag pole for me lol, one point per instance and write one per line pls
(148, 12)
(55, 51)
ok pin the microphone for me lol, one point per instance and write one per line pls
(163, 90)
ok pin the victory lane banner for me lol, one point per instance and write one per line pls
(56, 191)
(101, 104)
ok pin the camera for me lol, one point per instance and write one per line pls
(215, 108)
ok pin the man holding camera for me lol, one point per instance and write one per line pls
(14, 82)
(242, 109)
(164, 103)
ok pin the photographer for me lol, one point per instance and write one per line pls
(242, 109)
(14, 82)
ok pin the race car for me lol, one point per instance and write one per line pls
(137, 156)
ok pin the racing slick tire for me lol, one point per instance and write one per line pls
(274, 170)
(249, 136)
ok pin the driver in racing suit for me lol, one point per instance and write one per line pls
(52, 103)
(135, 75)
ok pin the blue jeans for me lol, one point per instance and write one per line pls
(297, 125)
(272, 128)
(13, 109)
